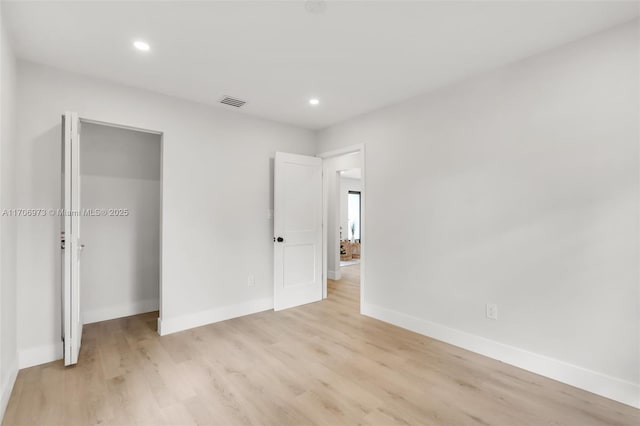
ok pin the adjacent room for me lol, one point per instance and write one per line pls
(320, 212)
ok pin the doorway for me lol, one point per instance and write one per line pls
(120, 197)
(111, 236)
(344, 213)
(307, 213)
(350, 204)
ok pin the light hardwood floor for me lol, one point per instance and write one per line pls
(321, 363)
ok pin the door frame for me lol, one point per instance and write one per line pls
(161, 206)
(353, 149)
(72, 322)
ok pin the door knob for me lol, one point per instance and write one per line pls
(280, 239)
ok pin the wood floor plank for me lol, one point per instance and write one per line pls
(317, 364)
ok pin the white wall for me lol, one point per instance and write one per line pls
(8, 318)
(120, 272)
(346, 185)
(217, 192)
(518, 187)
(331, 167)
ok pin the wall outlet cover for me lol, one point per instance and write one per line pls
(492, 311)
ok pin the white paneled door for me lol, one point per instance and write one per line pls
(297, 230)
(71, 318)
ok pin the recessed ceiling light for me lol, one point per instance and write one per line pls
(314, 101)
(141, 45)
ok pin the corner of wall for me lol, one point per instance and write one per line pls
(8, 241)
(7, 387)
(40, 355)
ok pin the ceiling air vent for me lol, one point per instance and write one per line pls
(228, 100)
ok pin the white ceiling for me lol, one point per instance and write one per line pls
(354, 56)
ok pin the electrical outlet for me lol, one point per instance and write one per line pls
(251, 281)
(492, 311)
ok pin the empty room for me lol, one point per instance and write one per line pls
(320, 212)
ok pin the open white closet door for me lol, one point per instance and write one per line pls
(71, 318)
(297, 230)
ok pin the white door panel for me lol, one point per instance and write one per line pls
(298, 224)
(71, 314)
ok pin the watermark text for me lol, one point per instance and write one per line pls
(108, 212)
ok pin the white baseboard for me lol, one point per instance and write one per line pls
(7, 387)
(119, 311)
(39, 355)
(598, 383)
(333, 275)
(185, 322)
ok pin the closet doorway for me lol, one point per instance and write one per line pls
(112, 191)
